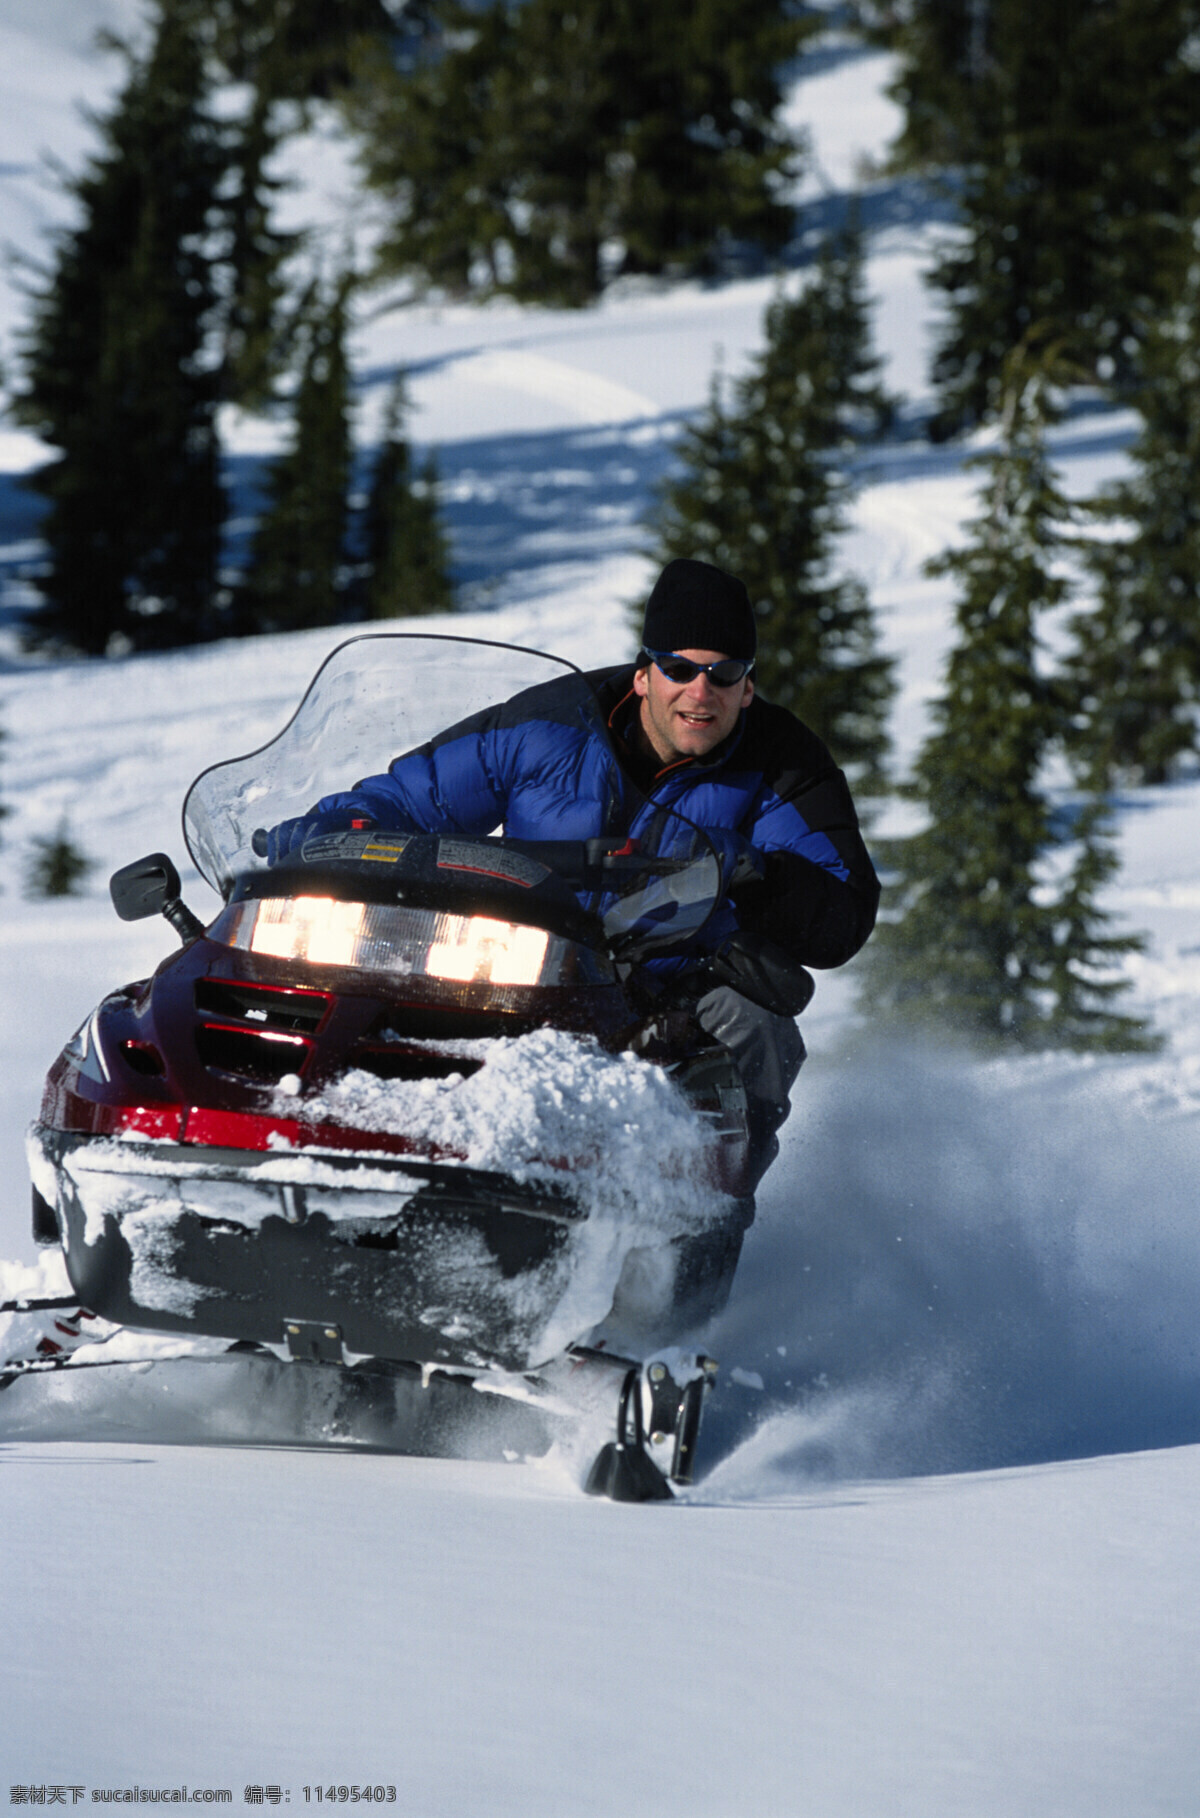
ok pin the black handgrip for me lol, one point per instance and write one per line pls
(258, 842)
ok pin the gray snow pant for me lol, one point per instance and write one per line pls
(769, 1053)
(768, 1049)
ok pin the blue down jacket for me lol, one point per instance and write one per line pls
(552, 764)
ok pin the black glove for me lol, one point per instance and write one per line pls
(763, 972)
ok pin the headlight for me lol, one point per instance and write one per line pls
(314, 928)
(503, 953)
(381, 937)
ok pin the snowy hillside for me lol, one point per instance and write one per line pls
(942, 1560)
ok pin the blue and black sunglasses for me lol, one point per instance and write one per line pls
(722, 674)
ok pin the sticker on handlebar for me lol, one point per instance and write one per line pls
(388, 854)
(486, 861)
(381, 849)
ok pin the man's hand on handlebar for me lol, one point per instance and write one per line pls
(275, 843)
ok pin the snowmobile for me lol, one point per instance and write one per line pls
(206, 1181)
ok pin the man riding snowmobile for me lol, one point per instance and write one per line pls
(639, 862)
(685, 732)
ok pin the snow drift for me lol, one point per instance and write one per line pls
(958, 1268)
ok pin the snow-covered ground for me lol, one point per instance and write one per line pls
(942, 1559)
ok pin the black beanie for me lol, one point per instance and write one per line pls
(694, 606)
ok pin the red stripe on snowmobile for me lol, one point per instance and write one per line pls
(75, 1113)
(207, 1125)
(505, 877)
(147, 1120)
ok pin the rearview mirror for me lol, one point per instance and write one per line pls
(150, 886)
(144, 888)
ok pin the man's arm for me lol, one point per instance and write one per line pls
(818, 919)
(457, 783)
(449, 789)
(462, 780)
(819, 896)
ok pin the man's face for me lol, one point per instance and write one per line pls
(688, 719)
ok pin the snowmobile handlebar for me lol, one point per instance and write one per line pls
(576, 860)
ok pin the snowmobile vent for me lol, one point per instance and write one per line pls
(262, 1006)
(409, 1063)
(446, 1023)
(261, 1056)
(144, 1058)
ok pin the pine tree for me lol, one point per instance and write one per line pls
(56, 866)
(761, 495)
(165, 301)
(1136, 663)
(980, 944)
(539, 146)
(436, 145)
(252, 256)
(818, 350)
(1072, 142)
(1083, 985)
(406, 558)
(298, 572)
(118, 375)
(300, 50)
(702, 153)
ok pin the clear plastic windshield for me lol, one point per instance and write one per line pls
(379, 696)
(373, 698)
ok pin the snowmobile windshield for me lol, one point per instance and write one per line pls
(373, 698)
(377, 697)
